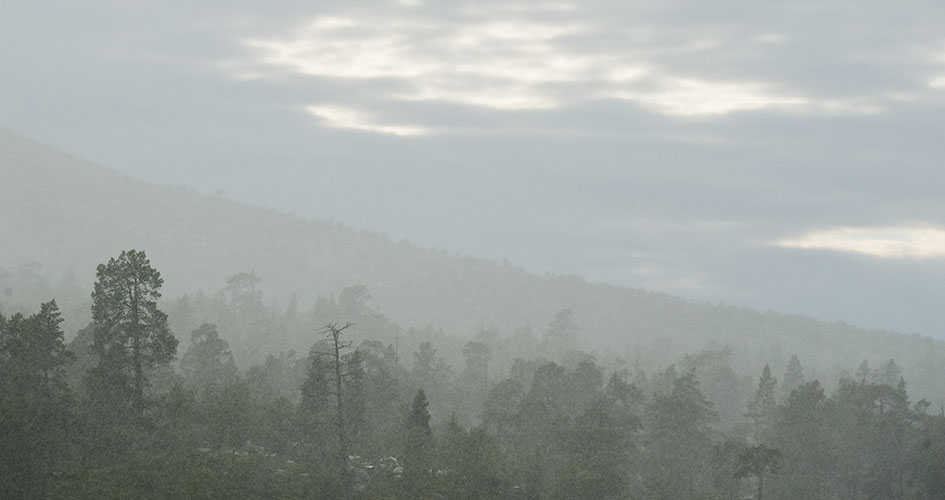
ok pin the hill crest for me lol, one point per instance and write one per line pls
(66, 213)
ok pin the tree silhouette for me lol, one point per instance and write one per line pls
(130, 334)
(419, 442)
(757, 461)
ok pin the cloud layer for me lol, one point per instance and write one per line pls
(519, 57)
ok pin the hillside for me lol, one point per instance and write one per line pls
(69, 215)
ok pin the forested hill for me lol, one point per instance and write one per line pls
(69, 215)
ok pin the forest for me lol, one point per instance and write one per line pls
(61, 216)
(482, 249)
(143, 403)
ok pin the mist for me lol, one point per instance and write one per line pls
(473, 250)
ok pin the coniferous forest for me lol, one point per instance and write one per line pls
(472, 250)
(149, 401)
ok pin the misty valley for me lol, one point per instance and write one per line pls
(219, 395)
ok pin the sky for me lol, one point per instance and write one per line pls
(785, 156)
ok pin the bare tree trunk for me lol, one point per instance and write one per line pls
(136, 354)
(335, 334)
(761, 485)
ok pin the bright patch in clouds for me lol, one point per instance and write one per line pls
(497, 57)
(517, 8)
(771, 39)
(342, 117)
(493, 64)
(886, 242)
(687, 97)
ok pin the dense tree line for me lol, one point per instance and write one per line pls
(527, 416)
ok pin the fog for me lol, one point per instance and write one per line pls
(408, 249)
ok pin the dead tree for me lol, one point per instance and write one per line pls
(332, 333)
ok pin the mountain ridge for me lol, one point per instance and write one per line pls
(67, 213)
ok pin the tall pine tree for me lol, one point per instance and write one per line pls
(130, 334)
(763, 409)
(418, 453)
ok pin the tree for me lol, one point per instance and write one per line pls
(36, 410)
(757, 461)
(762, 410)
(562, 333)
(474, 467)
(477, 356)
(315, 389)
(36, 343)
(208, 363)
(241, 287)
(130, 334)
(500, 411)
(353, 301)
(928, 453)
(355, 400)
(583, 385)
(598, 447)
(382, 391)
(888, 374)
(793, 377)
(247, 321)
(419, 439)
(804, 435)
(542, 419)
(680, 439)
(327, 377)
(871, 428)
(429, 371)
(863, 372)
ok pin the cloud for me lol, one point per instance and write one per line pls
(690, 97)
(503, 57)
(490, 64)
(485, 9)
(886, 242)
(348, 118)
(771, 39)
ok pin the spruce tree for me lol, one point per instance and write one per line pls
(793, 377)
(419, 445)
(36, 406)
(763, 409)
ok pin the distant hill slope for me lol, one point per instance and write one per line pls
(66, 213)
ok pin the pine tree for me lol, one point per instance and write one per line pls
(864, 373)
(889, 374)
(758, 461)
(430, 371)
(208, 363)
(562, 333)
(679, 438)
(130, 334)
(418, 452)
(762, 410)
(36, 406)
(793, 377)
(333, 334)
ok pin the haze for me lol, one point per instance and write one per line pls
(409, 249)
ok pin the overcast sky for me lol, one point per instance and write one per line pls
(783, 156)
